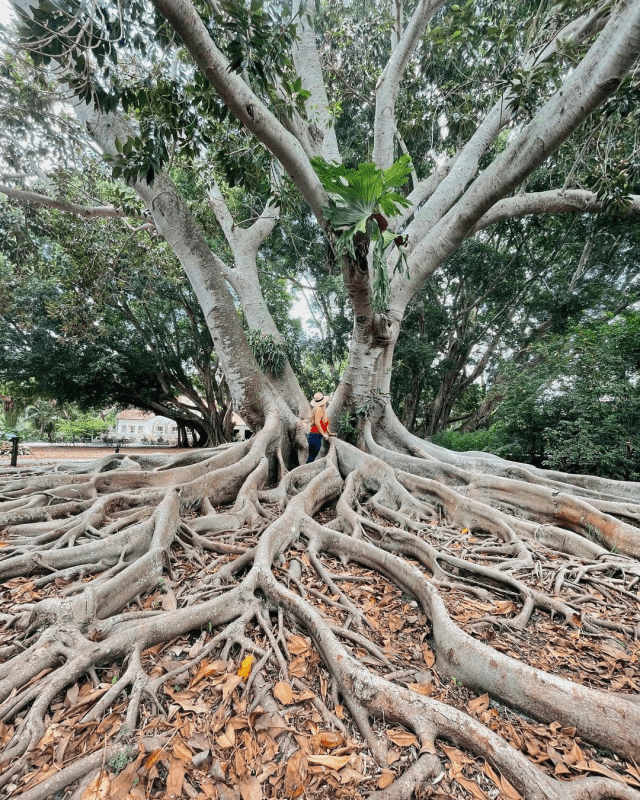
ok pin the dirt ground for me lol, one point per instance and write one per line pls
(44, 454)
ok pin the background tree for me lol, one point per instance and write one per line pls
(114, 315)
(573, 403)
(494, 299)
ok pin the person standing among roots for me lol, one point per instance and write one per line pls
(319, 425)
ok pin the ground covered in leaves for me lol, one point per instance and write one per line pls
(263, 718)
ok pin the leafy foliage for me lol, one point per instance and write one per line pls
(270, 354)
(576, 405)
(130, 61)
(92, 316)
(495, 298)
(487, 440)
(360, 202)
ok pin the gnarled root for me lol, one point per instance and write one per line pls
(172, 575)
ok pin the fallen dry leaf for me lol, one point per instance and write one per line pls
(349, 775)
(175, 778)
(251, 789)
(507, 790)
(230, 685)
(428, 655)
(600, 769)
(181, 751)
(283, 692)
(98, 788)
(471, 786)
(295, 775)
(422, 688)
(208, 668)
(402, 738)
(333, 762)
(386, 779)
(479, 703)
(152, 759)
(169, 602)
(328, 739)
(297, 645)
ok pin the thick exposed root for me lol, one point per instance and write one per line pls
(365, 602)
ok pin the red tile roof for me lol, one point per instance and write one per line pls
(135, 413)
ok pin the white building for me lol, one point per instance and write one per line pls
(139, 425)
(145, 426)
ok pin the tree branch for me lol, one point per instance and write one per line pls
(88, 212)
(307, 64)
(242, 102)
(389, 82)
(596, 77)
(555, 201)
(466, 162)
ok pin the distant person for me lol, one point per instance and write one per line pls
(319, 425)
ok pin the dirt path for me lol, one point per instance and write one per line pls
(43, 454)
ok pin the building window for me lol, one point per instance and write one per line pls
(131, 428)
(140, 429)
(174, 429)
(160, 428)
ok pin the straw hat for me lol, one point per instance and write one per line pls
(318, 400)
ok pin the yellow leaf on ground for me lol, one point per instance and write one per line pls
(245, 667)
(283, 692)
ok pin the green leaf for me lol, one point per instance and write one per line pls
(357, 198)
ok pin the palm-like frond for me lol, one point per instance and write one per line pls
(360, 201)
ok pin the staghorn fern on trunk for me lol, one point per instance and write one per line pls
(360, 201)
